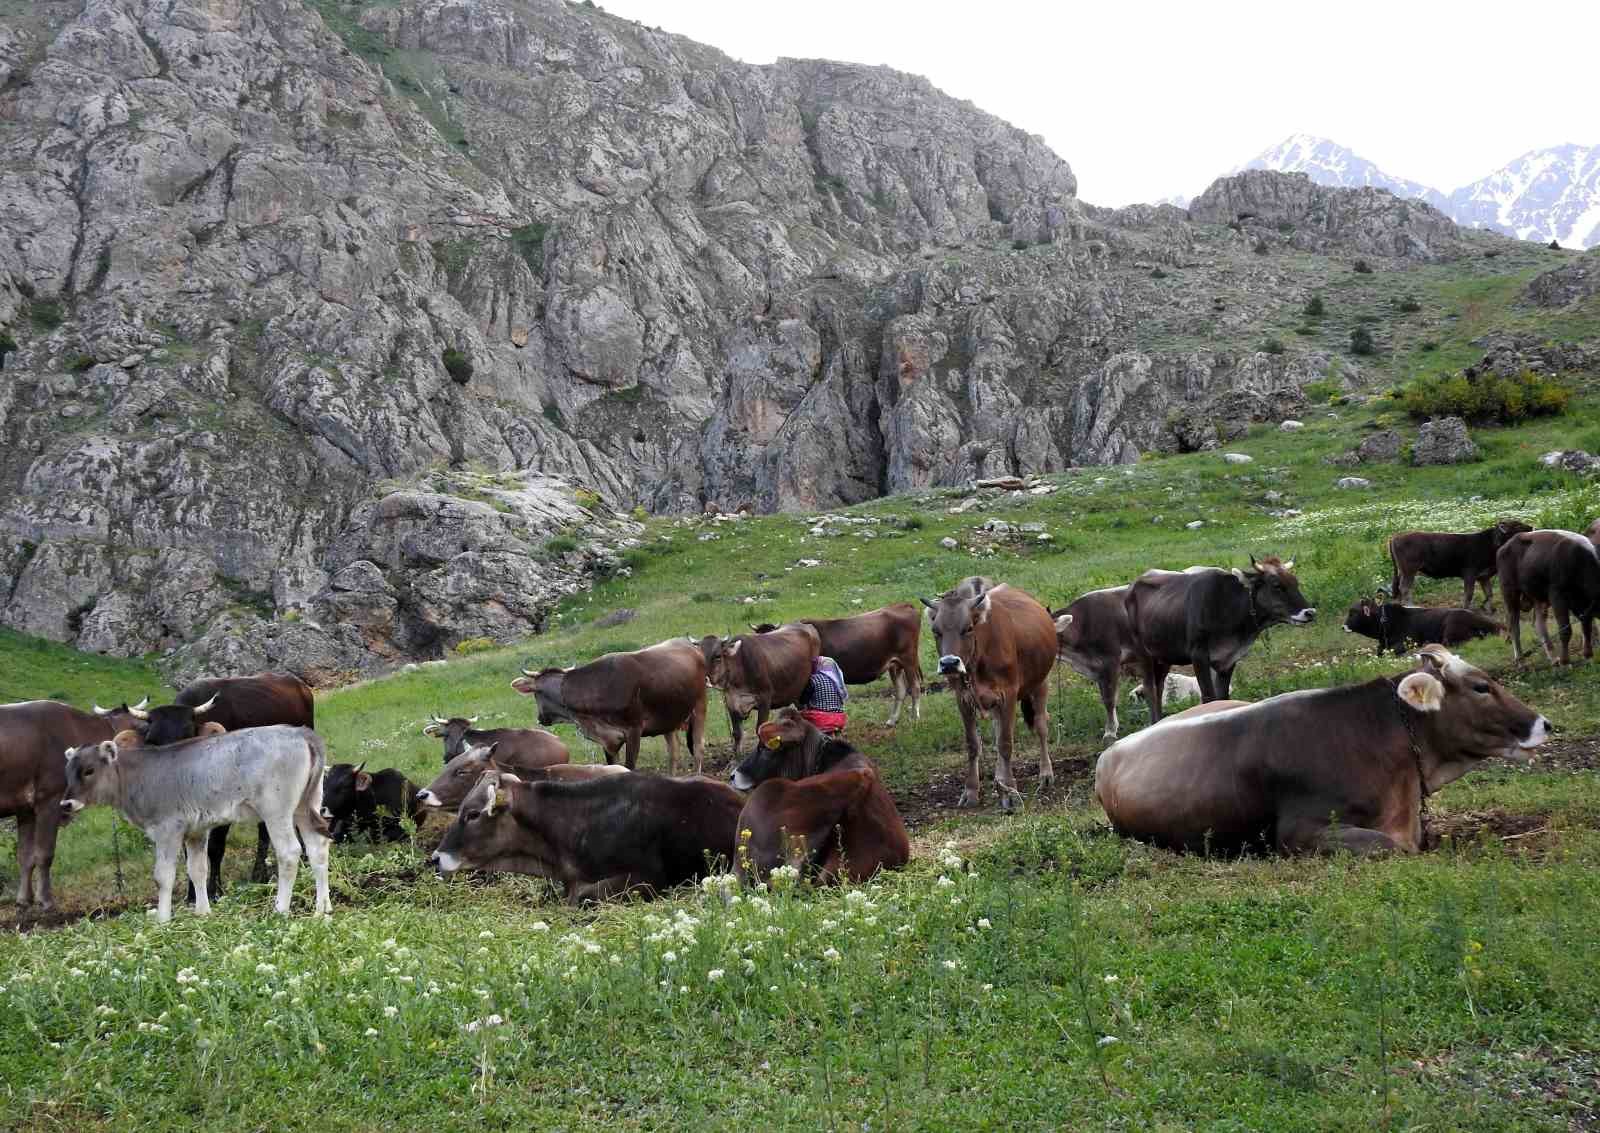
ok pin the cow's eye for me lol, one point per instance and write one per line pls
(474, 815)
(89, 773)
(967, 632)
(1481, 689)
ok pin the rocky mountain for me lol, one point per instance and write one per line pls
(1329, 163)
(1548, 194)
(335, 333)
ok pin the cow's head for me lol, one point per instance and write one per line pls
(92, 775)
(1063, 622)
(1505, 529)
(786, 748)
(1275, 592)
(717, 650)
(173, 722)
(459, 776)
(1466, 714)
(344, 788)
(1362, 618)
(453, 731)
(955, 619)
(545, 687)
(484, 830)
(125, 716)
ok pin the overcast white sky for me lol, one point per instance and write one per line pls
(1145, 99)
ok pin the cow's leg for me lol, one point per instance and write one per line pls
(1109, 680)
(1224, 683)
(44, 854)
(1202, 673)
(194, 856)
(1487, 582)
(1036, 699)
(1513, 621)
(1564, 622)
(287, 848)
(736, 727)
(1305, 835)
(1541, 627)
(697, 736)
(167, 844)
(1469, 582)
(671, 738)
(25, 825)
(1005, 722)
(216, 845)
(316, 844)
(258, 871)
(630, 756)
(1155, 683)
(969, 725)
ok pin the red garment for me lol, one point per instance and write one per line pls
(828, 723)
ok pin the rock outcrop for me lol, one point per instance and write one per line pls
(1444, 440)
(266, 267)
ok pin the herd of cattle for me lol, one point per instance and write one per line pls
(1308, 770)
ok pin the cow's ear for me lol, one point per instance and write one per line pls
(1062, 622)
(507, 777)
(1422, 691)
(489, 754)
(1437, 658)
(1240, 575)
(70, 752)
(363, 781)
(127, 738)
(733, 650)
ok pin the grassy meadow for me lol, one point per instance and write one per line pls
(1024, 972)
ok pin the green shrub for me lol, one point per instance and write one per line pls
(1018, 245)
(639, 513)
(1408, 305)
(1315, 308)
(1272, 346)
(1285, 226)
(1320, 390)
(912, 522)
(1428, 347)
(471, 645)
(1486, 399)
(1261, 248)
(78, 363)
(1361, 341)
(529, 243)
(1361, 267)
(46, 313)
(1157, 273)
(586, 497)
(458, 366)
(1305, 329)
(703, 598)
(561, 545)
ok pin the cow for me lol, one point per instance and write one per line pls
(33, 734)
(177, 793)
(1179, 687)
(1209, 618)
(817, 804)
(1593, 532)
(622, 697)
(596, 838)
(1394, 626)
(451, 785)
(761, 671)
(866, 646)
(235, 703)
(370, 803)
(996, 646)
(525, 748)
(1093, 638)
(1322, 769)
(1441, 554)
(1551, 571)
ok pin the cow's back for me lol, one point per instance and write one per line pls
(778, 664)
(1099, 625)
(864, 644)
(1020, 637)
(671, 679)
(253, 702)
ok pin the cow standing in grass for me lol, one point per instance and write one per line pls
(867, 646)
(33, 735)
(996, 646)
(1442, 554)
(1555, 571)
(178, 793)
(760, 672)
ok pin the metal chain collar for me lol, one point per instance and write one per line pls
(1416, 755)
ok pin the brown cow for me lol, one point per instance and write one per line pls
(236, 703)
(622, 697)
(521, 748)
(818, 805)
(1440, 554)
(459, 776)
(34, 736)
(1209, 618)
(758, 672)
(1551, 570)
(996, 646)
(1093, 638)
(598, 838)
(1593, 532)
(1321, 769)
(868, 645)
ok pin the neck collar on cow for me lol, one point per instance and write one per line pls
(1411, 739)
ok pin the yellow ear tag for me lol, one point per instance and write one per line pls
(499, 798)
(774, 743)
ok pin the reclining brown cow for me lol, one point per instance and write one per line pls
(462, 773)
(1315, 770)
(817, 804)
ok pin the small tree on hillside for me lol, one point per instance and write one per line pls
(1361, 341)
(1315, 308)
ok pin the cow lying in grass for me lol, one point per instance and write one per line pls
(1394, 626)
(629, 832)
(369, 803)
(817, 804)
(179, 792)
(462, 773)
(1322, 769)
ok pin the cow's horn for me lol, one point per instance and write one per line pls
(932, 605)
(437, 719)
(141, 706)
(201, 710)
(360, 766)
(137, 710)
(529, 673)
(98, 711)
(472, 719)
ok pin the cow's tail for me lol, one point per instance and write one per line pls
(1394, 568)
(311, 796)
(1027, 710)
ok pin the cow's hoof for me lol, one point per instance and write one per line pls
(969, 797)
(1046, 782)
(1011, 800)
(1108, 737)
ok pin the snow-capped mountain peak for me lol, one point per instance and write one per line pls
(1328, 163)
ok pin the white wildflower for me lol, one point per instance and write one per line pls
(951, 965)
(266, 969)
(983, 922)
(1111, 979)
(187, 976)
(714, 975)
(944, 882)
(493, 1021)
(831, 955)
(539, 926)
(988, 987)
(669, 956)
(1106, 1040)
(390, 1012)
(749, 967)
(486, 935)
(592, 948)
(390, 944)
(372, 1032)
(76, 973)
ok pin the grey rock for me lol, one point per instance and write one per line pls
(1571, 283)
(1290, 425)
(1381, 446)
(1195, 524)
(1352, 483)
(948, 543)
(1237, 458)
(1572, 460)
(1444, 440)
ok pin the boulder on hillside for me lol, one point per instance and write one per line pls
(1380, 447)
(1572, 460)
(1567, 284)
(1444, 440)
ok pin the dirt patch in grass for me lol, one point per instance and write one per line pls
(60, 916)
(1524, 833)
(936, 799)
(1581, 754)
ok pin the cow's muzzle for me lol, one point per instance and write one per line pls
(444, 863)
(1304, 617)
(950, 665)
(741, 781)
(71, 806)
(1538, 732)
(428, 798)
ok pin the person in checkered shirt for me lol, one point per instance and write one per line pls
(825, 697)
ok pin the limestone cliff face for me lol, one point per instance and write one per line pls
(265, 262)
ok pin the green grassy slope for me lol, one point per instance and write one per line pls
(1447, 991)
